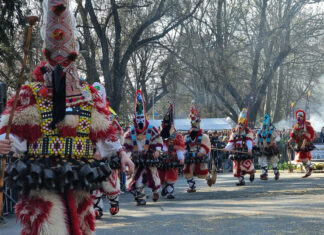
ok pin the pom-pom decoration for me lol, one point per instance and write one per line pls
(58, 9)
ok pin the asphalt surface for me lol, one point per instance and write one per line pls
(289, 206)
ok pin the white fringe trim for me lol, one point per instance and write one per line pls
(29, 115)
(56, 222)
(99, 121)
(70, 121)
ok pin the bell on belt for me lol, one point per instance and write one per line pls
(49, 179)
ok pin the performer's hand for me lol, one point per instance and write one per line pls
(225, 150)
(126, 161)
(250, 152)
(5, 146)
(156, 154)
(200, 154)
(303, 147)
(181, 161)
(97, 156)
(307, 135)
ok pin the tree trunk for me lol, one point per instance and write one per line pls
(259, 46)
(269, 100)
(267, 78)
(278, 105)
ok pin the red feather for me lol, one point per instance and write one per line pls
(34, 207)
(28, 132)
(95, 136)
(75, 223)
(67, 131)
(37, 73)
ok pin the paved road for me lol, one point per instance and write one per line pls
(289, 206)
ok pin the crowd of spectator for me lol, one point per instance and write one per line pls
(219, 140)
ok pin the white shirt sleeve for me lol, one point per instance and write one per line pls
(180, 154)
(202, 150)
(256, 140)
(229, 146)
(277, 138)
(19, 146)
(249, 144)
(108, 148)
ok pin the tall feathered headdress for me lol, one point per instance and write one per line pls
(168, 117)
(60, 49)
(141, 121)
(266, 120)
(58, 32)
(194, 116)
(167, 123)
(243, 118)
(301, 119)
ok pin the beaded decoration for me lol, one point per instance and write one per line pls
(147, 138)
(197, 141)
(51, 143)
(265, 134)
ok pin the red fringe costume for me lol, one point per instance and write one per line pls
(152, 176)
(170, 176)
(241, 167)
(299, 135)
(111, 186)
(197, 152)
(142, 140)
(197, 169)
(303, 134)
(241, 140)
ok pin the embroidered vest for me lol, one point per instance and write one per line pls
(240, 137)
(298, 134)
(147, 138)
(51, 143)
(198, 144)
(265, 134)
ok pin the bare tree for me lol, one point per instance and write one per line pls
(122, 28)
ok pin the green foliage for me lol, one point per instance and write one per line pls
(10, 18)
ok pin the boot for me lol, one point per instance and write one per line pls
(277, 176)
(241, 181)
(170, 191)
(140, 196)
(264, 175)
(141, 202)
(155, 196)
(98, 204)
(209, 181)
(170, 196)
(114, 209)
(252, 177)
(309, 169)
(192, 185)
(191, 190)
(98, 213)
(114, 206)
(308, 173)
(164, 190)
(276, 173)
(213, 177)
